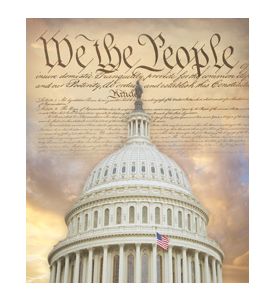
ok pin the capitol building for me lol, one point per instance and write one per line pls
(128, 198)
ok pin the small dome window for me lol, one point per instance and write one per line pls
(98, 174)
(170, 173)
(133, 168)
(153, 170)
(114, 170)
(161, 171)
(106, 172)
(123, 170)
(143, 168)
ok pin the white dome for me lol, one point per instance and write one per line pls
(133, 199)
(136, 162)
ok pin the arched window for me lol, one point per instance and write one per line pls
(133, 168)
(143, 168)
(106, 217)
(159, 268)
(144, 267)
(123, 170)
(118, 215)
(169, 217)
(78, 224)
(161, 171)
(114, 170)
(130, 268)
(153, 170)
(106, 172)
(189, 221)
(101, 269)
(170, 173)
(131, 214)
(157, 215)
(196, 224)
(116, 268)
(86, 222)
(95, 218)
(144, 214)
(98, 174)
(180, 219)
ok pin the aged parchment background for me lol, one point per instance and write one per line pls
(218, 173)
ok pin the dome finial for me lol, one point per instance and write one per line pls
(138, 102)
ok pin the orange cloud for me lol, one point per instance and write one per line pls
(44, 229)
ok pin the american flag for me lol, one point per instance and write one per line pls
(162, 241)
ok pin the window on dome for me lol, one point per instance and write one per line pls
(170, 173)
(143, 168)
(95, 218)
(196, 224)
(118, 215)
(144, 214)
(133, 168)
(131, 214)
(180, 219)
(189, 222)
(116, 269)
(123, 169)
(86, 222)
(153, 170)
(106, 217)
(161, 171)
(98, 174)
(177, 174)
(157, 215)
(130, 268)
(169, 217)
(78, 224)
(106, 172)
(159, 268)
(139, 127)
(114, 170)
(144, 268)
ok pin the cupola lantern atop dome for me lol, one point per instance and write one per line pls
(139, 121)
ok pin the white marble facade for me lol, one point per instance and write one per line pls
(128, 197)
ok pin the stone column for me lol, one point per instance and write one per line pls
(197, 267)
(189, 259)
(105, 264)
(184, 265)
(84, 269)
(58, 272)
(90, 266)
(206, 269)
(136, 131)
(154, 263)
(219, 272)
(76, 267)
(178, 268)
(121, 263)
(66, 271)
(53, 273)
(214, 275)
(170, 265)
(138, 264)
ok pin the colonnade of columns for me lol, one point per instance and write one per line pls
(97, 265)
(138, 127)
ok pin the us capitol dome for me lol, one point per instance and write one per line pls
(130, 198)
